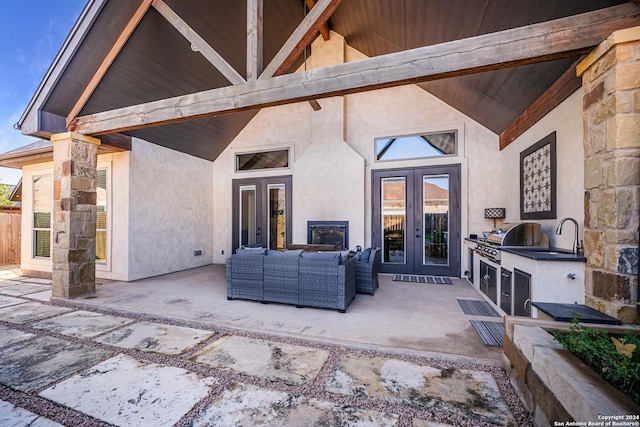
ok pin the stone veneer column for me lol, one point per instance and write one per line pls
(611, 82)
(74, 225)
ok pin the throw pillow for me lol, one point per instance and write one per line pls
(321, 255)
(292, 253)
(251, 251)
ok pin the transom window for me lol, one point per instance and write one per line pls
(262, 160)
(417, 146)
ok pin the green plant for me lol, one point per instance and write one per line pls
(603, 356)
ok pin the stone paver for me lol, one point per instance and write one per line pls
(246, 405)
(30, 311)
(85, 324)
(291, 364)
(24, 289)
(8, 301)
(37, 363)
(10, 336)
(443, 390)
(424, 423)
(41, 296)
(12, 416)
(155, 337)
(8, 282)
(126, 392)
(34, 280)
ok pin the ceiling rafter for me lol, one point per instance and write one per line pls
(300, 38)
(519, 46)
(568, 83)
(324, 29)
(108, 60)
(255, 26)
(198, 43)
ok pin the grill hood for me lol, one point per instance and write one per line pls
(519, 234)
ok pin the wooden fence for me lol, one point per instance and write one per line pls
(10, 238)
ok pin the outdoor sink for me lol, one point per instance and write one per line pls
(546, 253)
(551, 251)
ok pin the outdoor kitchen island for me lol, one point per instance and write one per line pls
(510, 278)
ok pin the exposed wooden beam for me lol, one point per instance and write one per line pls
(324, 30)
(115, 141)
(255, 24)
(198, 43)
(315, 105)
(108, 60)
(300, 38)
(560, 38)
(49, 123)
(568, 83)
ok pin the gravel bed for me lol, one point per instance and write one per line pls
(67, 416)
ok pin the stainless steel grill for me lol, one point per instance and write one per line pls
(512, 235)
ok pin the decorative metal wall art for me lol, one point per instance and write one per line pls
(538, 180)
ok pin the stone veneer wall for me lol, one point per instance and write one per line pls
(611, 82)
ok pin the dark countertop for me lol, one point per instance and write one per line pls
(566, 312)
(550, 254)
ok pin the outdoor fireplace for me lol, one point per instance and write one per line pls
(334, 233)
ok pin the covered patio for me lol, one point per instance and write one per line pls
(423, 319)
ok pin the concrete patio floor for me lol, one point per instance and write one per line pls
(421, 318)
(172, 350)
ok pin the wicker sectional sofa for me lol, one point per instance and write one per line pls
(297, 278)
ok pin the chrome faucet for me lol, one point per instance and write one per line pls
(577, 244)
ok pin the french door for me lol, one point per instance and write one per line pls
(416, 220)
(262, 212)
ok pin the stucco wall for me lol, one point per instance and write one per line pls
(566, 121)
(408, 110)
(170, 211)
(333, 153)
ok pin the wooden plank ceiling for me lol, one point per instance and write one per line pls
(157, 62)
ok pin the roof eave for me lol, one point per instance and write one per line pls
(28, 123)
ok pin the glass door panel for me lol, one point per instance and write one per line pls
(394, 220)
(277, 216)
(435, 219)
(262, 203)
(249, 231)
(416, 220)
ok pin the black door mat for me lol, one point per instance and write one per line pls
(422, 279)
(491, 333)
(476, 307)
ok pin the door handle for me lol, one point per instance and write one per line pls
(524, 306)
(487, 277)
(505, 294)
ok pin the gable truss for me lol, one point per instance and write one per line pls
(302, 36)
(555, 39)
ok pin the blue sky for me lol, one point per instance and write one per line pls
(31, 34)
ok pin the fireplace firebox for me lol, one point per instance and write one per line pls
(334, 233)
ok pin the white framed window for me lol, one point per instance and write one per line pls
(427, 145)
(42, 208)
(102, 214)
(273, 159)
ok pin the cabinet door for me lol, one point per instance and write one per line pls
(505, 291)
(492, 283)
(521, 293)
(483, 274)
(489, 281)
